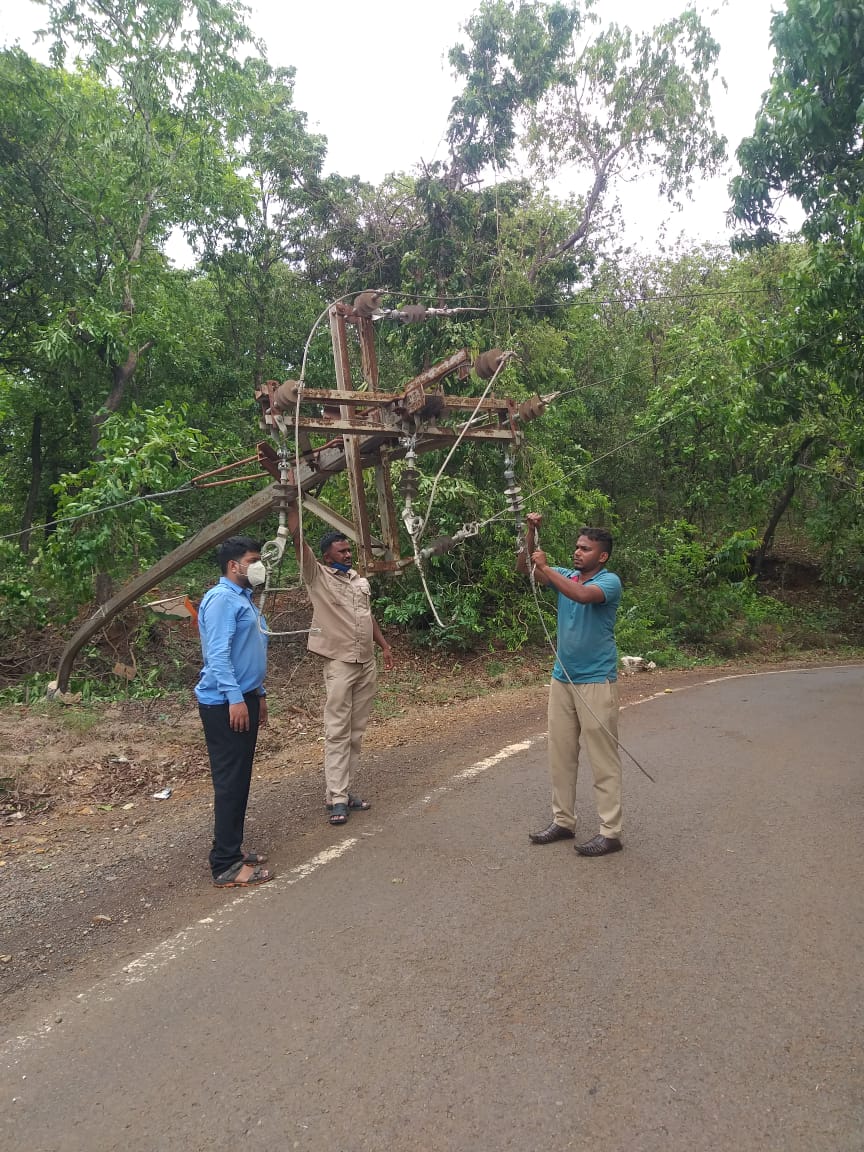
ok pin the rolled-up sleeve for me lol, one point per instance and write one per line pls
(310, 565)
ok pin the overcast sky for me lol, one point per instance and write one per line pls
(374, 79)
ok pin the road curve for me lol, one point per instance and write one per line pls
(437, 984)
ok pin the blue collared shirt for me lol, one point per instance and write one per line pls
(233, 645)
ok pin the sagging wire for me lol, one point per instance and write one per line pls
(554, 649)
(273, 551)
(416, 525)
(187, 487)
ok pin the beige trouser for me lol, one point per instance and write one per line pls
(350, 693)
(579, 712)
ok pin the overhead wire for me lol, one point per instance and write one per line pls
(188, 487)
(506, 357)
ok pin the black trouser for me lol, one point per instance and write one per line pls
(231, 754)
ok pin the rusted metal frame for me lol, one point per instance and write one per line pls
(353, 465)
(387, 506)
(224, 468)
(333, 396)
(351, 431)
(331, 460)
(311, 474)
(337, 520)
(339, 395)
(348, 428)
(233, 480)
(368, 354)
(460, 359)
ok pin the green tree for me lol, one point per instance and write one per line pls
(606, 101)
(807, 139)
(807, 144)
(141, 154)
(111, 516)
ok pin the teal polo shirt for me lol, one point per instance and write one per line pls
(586, 633)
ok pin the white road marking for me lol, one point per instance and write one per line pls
(491, 761)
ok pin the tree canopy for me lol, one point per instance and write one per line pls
(807, 142)
(707, 402)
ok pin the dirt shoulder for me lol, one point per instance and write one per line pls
(94, 869)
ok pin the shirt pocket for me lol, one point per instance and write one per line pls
(362, 594)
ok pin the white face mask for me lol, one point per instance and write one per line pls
(256, 574)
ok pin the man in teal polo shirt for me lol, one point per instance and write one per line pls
(583, 694)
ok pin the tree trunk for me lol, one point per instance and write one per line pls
(35, 481)
(121, 374)
(780, 507)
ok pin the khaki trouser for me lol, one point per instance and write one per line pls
(574, 712)
(350, 694)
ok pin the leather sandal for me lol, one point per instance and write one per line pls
(354, 801)
(254, 858)
(228, 878)
(599, 846)
(338, 814)
(551, 834)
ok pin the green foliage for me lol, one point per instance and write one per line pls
(24, 605)
(807, 137)
(706, 403)
(111, 518)
(458, 608)
(691, 593)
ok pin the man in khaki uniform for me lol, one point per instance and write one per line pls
(344, 633)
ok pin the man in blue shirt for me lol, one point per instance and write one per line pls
(232, 704)
(583, 694)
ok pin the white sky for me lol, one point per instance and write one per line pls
(374, 79)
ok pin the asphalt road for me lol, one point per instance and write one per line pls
(435, 983)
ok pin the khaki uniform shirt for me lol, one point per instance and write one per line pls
(342, 609)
